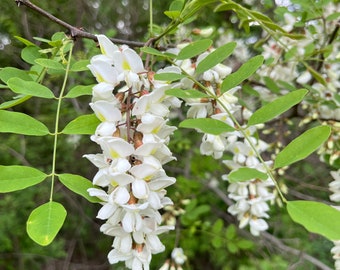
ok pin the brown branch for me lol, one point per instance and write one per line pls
(75, 32)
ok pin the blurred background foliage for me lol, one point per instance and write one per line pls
(206, 232)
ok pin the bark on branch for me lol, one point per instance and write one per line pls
(75, 32)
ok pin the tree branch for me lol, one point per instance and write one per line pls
(75, 32)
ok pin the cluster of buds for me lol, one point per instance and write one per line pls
(133, 135)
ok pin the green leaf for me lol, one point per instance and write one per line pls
(50, 63)
(189, 93)
(230, 232)
(79, 185)
(14, 178)
(277, 107)
(207, 125)
(29, 54)
(84, 124)
(80, 90)
(216, 57)
(302, 146)
(174, 14)
(217, 242)
(11, 72)
(20, 123)
(169, 77)
(243, 73)
(30, 88)
(217, 227)
(194, 49)
(316, 217)
(153, 51)
(44, 222)
(12, 103)
(80, 65)
(25, 41)
(245, 174)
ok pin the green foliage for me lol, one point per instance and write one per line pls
(245, 174)
(207, 125)
(316, 217)
(302, 146)
(45, 222)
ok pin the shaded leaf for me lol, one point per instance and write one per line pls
(11, 72)
(12, 103)
(216, 57)
(20, 123)
(207, 125)
(79, 185)
(50, 63)
(316, 217)
(277, 107)
(243, 73)
(80, 65)
(14, 178)
(302, 146)
(45, 222)
(80, 90)
(194, 49)
(84, 124)
(152, 51)
(30, 88)
(29, 54)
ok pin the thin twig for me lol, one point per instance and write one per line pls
(75, 32)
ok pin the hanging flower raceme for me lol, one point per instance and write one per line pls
(250, 197)
(133, 135)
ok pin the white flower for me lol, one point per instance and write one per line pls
(335, 186)
(178, 256)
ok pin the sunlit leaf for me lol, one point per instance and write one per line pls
(84, 124)
(152, 51)
(30, 54)
(20, 123)
(316, 217)
(25, 41)
(216, 57)
(189, 93)
(245, 174)
(45, 222)
(169, 77)
(302, 146)
(277, 107)
(207, 125)
(79, 185)
(80, 65)
(194, 49)
(243, 73)
(14, 178)
(30, 88)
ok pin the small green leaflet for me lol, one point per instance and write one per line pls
(189, 93)
(30, 54)
(216, 57)
(49, 63)
(44, 222)
(302, 146)
(80, 90)
(11, 72)
(30, 88)
(207, 125)
(243, 73)
(80, 65)
(84, 124)
(169, 77)
(245, 174)
(152, 51)
(316, 217)
(15, 177)
(79, 185)
(25, 41)
(12, 103)
(20, 123)
(277, 107)
(194, 49)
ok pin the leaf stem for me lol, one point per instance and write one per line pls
(56, 128)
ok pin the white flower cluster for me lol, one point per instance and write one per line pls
(334, 187)
(251, 197)
(133, 135)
